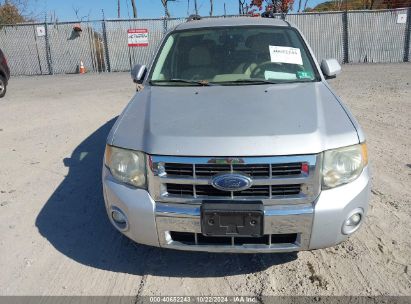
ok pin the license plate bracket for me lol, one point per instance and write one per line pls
(236, 219)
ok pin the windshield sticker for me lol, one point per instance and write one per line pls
(304, 75)
(284, 54)
(279, 75)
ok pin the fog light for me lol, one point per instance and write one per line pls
(119, 218)
(353, 221)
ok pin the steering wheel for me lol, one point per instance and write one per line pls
(258, 71)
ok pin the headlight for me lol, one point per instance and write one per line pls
(127, 166)
(343, 165)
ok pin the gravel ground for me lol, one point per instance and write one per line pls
(55, 238)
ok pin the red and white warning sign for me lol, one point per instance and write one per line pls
(138, 37)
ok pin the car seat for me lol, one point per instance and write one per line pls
(199, 61)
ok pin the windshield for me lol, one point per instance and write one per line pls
(234, 55)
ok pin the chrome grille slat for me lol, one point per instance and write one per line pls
(256, 181)
(207, 190)
(253, 170)
(179, 169)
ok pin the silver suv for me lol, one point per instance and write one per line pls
(236, 144)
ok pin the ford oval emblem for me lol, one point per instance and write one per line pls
(231, 182)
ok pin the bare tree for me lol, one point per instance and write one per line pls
(77, 11)
(165, 3)
(10, 14)
(17, 7)
(305, 5)
(133, 4)
(118, 9)
(338, 4)
(299, 6)
(242, 7)
(211, 7)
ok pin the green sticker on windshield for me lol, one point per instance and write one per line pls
(304, 75)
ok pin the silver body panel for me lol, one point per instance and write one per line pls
(219, 22)
(277, 220)
(318, 224)
(283, 119)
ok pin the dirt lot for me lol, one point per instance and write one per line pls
(55, 238)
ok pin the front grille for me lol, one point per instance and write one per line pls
(252, 170)
(179, 169)
(189, 238)
(285, 189)
(277, 179)
(286, 169)
(208, 190)
(210, 170)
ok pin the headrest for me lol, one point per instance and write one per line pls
(199, 56)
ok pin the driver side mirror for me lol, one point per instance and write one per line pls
(330, 68)
(138, 73)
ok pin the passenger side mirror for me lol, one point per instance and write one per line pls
(138, 73)
(330, 67)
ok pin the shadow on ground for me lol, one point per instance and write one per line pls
(74, 221)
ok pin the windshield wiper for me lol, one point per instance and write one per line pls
(194, 82)
(261, 81)
(250, 81)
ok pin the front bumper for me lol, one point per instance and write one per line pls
(317, 225)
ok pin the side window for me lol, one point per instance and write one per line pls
(161, 66)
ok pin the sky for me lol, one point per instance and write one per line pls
(92, 9)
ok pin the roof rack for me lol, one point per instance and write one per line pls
(193, 18)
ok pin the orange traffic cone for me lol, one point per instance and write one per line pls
(82, 68)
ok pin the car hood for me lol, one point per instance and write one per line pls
(250, 120)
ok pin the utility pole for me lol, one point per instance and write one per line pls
(133, 4)
(225, 10)
(211, 7)
(195, 7)
(166, 14)
(188, 7)
(165, 4)
(118, 9)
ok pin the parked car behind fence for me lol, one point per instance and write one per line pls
(4, 74)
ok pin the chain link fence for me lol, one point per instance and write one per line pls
(56, 48)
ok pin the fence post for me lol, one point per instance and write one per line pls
(165, 26)
(48, 51)
(345, 37)
(407, 36)
(108, 65)
(37, 50)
